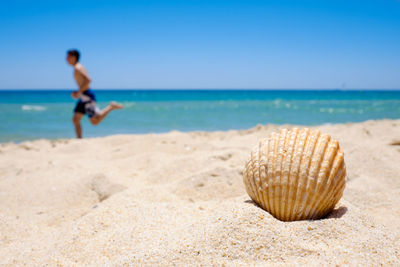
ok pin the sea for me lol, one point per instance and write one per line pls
(37, 114)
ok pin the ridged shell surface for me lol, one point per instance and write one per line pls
(296, 174)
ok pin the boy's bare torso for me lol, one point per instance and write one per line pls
(81, 77)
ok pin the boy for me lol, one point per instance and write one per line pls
(87, 100)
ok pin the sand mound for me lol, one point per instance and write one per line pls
(218, 183)
(178, 199)
(102, 186)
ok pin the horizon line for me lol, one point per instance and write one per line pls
(206, 89)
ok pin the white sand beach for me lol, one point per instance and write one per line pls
(179, 199)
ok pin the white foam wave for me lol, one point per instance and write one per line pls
(33, 108)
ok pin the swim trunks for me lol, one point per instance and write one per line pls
(87, 104)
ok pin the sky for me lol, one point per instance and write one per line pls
(201, 44)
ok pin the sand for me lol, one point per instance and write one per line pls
(178, 199)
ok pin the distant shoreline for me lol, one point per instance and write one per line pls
(32, 114)
(252, 129)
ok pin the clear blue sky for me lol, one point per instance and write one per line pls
(202, 44)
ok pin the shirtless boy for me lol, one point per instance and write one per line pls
(87, 100)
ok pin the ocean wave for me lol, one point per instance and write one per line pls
(33, 108)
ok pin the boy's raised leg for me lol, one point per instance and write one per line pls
(104, 112)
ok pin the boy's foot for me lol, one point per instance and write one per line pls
(115, 105)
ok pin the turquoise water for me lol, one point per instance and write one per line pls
(33, 114)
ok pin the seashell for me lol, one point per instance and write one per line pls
(296, 174)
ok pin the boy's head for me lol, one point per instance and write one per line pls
(73, 56)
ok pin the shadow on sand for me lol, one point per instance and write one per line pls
(334, 214)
